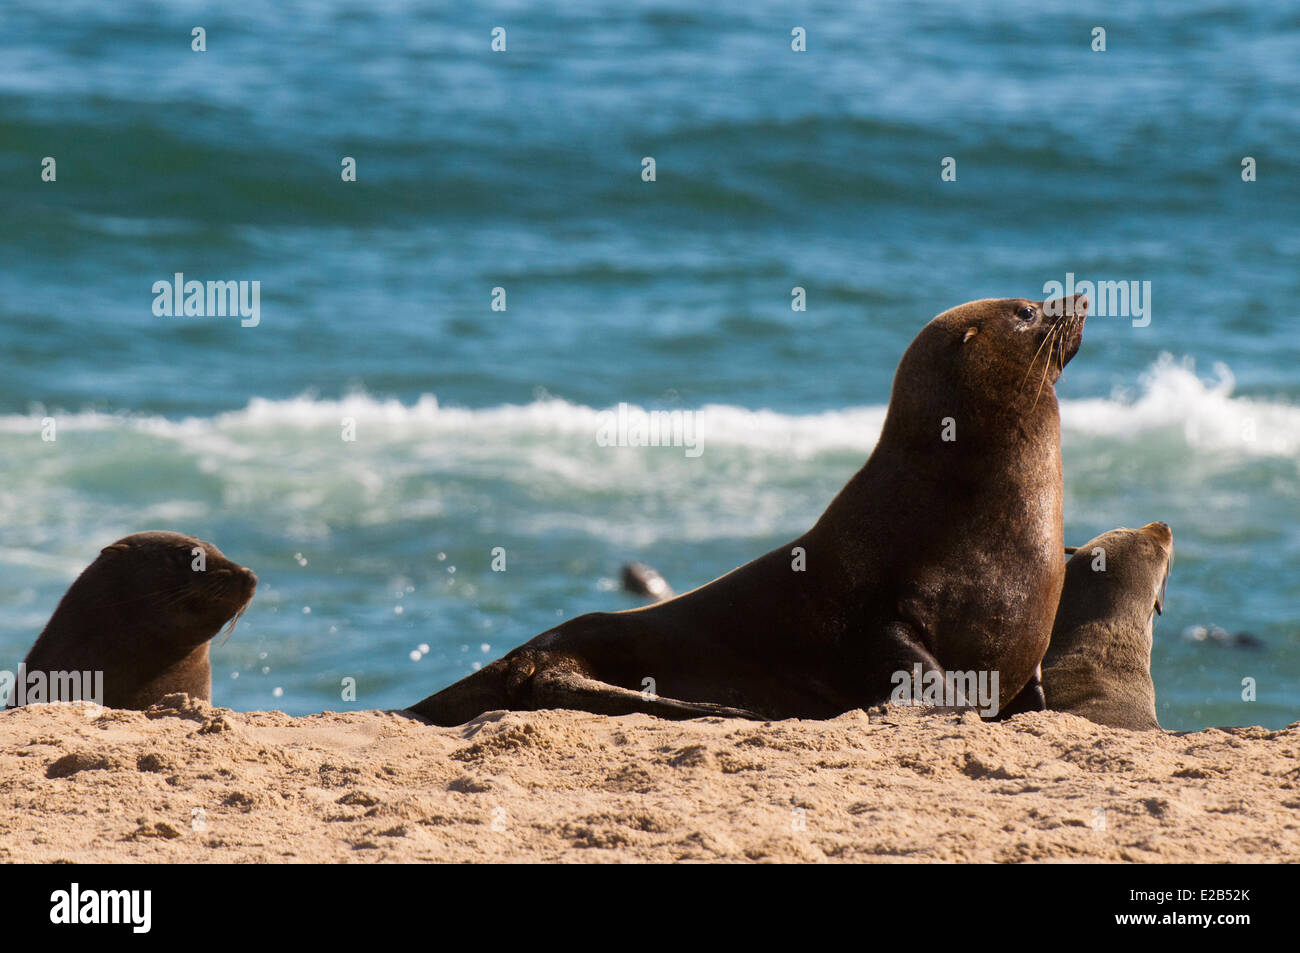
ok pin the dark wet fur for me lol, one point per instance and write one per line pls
(925, 557)
(148, 641)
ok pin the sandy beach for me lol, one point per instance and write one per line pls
(186, 782)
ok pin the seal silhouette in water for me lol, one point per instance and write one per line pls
(945, 551)
(642, 580)
(142, 614)
(1098, 665)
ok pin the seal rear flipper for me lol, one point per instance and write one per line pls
(563, 689)
(485, 690)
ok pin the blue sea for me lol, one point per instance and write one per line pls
(475, 429)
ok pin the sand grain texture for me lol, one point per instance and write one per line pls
(186, 782)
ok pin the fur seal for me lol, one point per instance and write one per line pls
(142, 614)
(1218, 635)
(642, 580)
(944, 553)
(1098, 665)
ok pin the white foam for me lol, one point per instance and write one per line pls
(1206, 415)
(1170, 398)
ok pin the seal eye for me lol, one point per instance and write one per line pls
(1027, 313)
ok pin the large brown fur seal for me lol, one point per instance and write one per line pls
(945, 551)
(1098, 665)
(142, 614)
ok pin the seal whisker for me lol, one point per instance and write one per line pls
(229, 628)
(175, 598)
(146, 595)
(1058, 350)
(1069, 333)
(1047, 364)
(1033, 359)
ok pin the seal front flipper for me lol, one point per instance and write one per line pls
(561, 689)
(907, 666)
(1031, 698)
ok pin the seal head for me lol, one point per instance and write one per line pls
(142, 614)
(1098, 665)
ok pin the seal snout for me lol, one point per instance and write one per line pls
(1161, 533)
(1068, 316)
(1075, 306)
(249, 578)
(1162, 536)
(236, 583)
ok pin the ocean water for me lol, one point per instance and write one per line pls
(521, 170)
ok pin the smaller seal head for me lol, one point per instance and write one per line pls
(1098, 665)
(142, 614)
(199, 588)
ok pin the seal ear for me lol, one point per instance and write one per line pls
(112, 548)
(970, 333)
